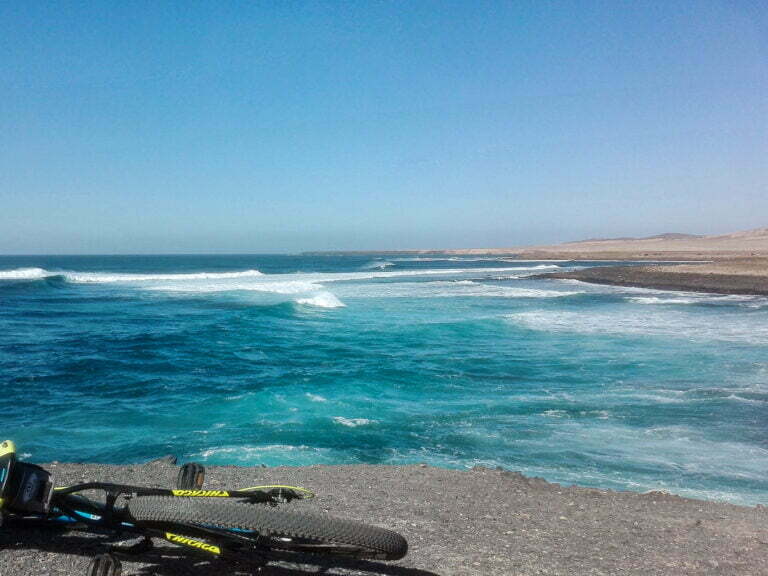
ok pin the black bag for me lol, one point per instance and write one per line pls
(24, 488)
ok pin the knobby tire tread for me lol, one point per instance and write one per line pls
(269, 521)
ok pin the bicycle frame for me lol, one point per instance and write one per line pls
(36, 500)
(28, 495)
(75, 509)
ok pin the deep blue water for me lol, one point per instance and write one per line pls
(345, 359)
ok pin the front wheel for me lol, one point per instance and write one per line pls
(285, 529)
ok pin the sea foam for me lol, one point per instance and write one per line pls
(666, 323)
(269, 284)
(378, 265)
(448, 289)
(683, 298)
(323, 300)
(105, 278)
(191, 281)
(25, 274)
(353, 422)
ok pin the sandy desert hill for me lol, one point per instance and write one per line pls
(745, 244)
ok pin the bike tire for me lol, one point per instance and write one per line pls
(274, 523)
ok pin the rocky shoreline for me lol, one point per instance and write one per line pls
(670, 278)
(476, 522)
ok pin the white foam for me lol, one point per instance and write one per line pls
(738, 398)
(378, 265)
(657, 300)
(316, 397)
(496, 291)
(700, 298)
(247, 279)
(472, 259)
(555, 413)
(447, 289)
(242, 280)
(652, 296)
(444, 259)
(323, 300)
(657, 322)
(250, 453)
(271, 286)
(347, 276)
(542, 260)
(106, 278)
(25, 274)
(677, 447)
(353, 422)
(311, 286)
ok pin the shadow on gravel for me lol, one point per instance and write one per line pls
(168, 561)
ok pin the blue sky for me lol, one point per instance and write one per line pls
(134, 127)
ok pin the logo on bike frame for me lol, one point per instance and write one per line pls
(192, 542)
(204, 493)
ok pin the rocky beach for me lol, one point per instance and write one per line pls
(479, 522)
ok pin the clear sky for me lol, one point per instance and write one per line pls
(131, 127)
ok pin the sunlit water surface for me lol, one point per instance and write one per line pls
(381, 359)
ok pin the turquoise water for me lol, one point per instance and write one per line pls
(344, 359)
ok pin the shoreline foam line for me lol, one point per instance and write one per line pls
(107, 277)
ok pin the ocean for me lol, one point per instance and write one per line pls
(384, 359)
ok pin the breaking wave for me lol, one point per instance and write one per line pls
(377, 271)
(25, 274)
(378, 265)
(102, 278)
(270, 284)
(324, 300)
(107, 278)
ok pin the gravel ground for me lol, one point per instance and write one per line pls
(478, 522)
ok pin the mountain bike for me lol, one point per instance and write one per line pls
(238, 525)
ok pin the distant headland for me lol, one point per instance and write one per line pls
(735, 263)
(668, 246)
